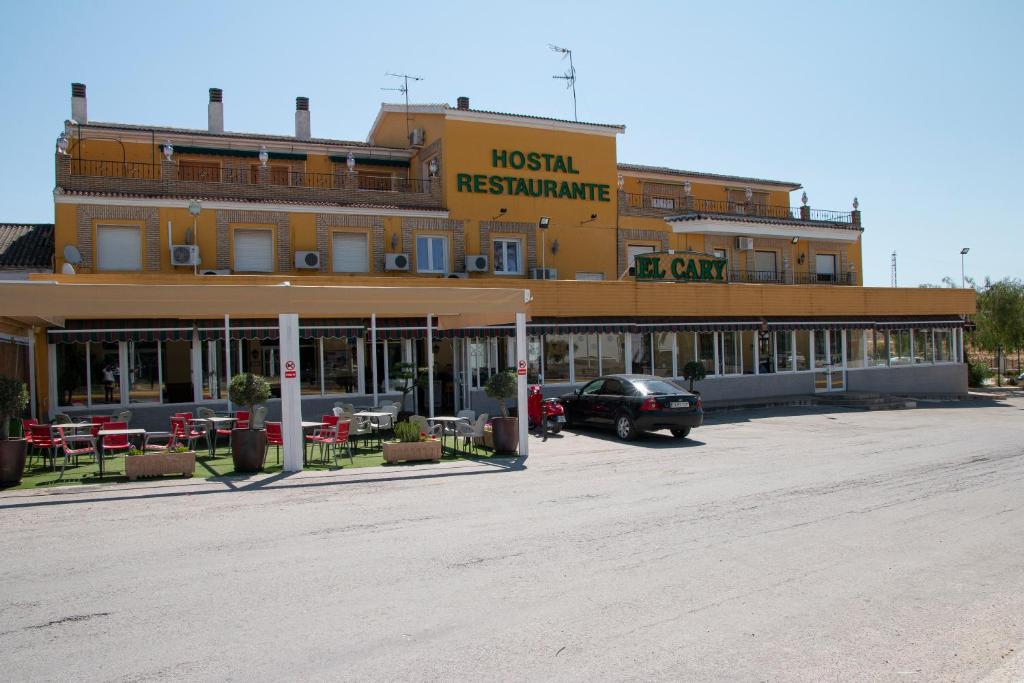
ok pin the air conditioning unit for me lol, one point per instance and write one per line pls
(416, 137)
(215, 271)
(477, 263)
(745, 243)
(543, 273)
(396, 262)
(184, 255)
(307, 260)
(461, 276)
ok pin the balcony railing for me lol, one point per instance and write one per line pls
(664, 205)
(244, 182)
(784, 278)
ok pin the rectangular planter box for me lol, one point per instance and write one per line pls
(154, 464)
(423, 450)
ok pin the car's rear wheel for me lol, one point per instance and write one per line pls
(681, 432)
(625, 428)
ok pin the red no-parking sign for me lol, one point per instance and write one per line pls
(522, 367)
(289, 370)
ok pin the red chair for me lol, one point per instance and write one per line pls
(75, 446)
(336, 437)
(44, 441)
(26, 428)
(115, 442)
(186, 416)
(275, 437)
(182, 430)
(241, 419)
(100, 421)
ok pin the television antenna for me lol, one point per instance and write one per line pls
(892, 275)
(404, 89)
(569, 76)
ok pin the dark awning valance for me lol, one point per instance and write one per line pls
(228, 152)
(80, 331)
(370, 161)
(901, 323)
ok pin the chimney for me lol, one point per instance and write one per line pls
(302, 118)
(215, 111)
(462, 103)
(79, 110)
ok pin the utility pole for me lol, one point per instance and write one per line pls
(892, 275)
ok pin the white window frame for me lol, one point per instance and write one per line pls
(430, 253)
(502, 243)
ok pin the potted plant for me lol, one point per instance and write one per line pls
(13, 399)
(411, 378)
(177, 459)
(502, 386)
(694, 371)
(411, 444)
(249, 446)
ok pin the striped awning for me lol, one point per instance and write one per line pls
(331, 329)
(901, 323)
(80, 331)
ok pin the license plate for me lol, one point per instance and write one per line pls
(679, 404)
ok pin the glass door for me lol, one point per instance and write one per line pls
(829, 370)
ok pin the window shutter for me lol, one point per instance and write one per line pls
(254, 251)
(118, 247)
(349, 253)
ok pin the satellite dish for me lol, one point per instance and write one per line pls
(67, 269)
(72, 255)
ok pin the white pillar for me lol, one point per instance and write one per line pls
(430, 369)
(197, 368)
(627, 350)
(521, 362)
(32, 371)
(291, 397)
(227, 359)
(373, 355)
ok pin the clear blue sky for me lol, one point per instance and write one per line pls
(914, 107)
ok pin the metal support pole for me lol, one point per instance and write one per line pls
(227, 359)
(291, 396)
(430, 368)
(373, 355)
(32, 371)
(524, 444)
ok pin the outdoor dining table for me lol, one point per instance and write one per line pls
(447, 423)
(115, 432)
(212, 424)
(374, 416)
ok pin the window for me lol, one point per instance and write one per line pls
(71, 374)
(533, 359)
(899, 345)
(631, 253)
(593, 388)
(738, 201)
(640, 351)
(855, 348)
(374, 180)
(723, 254)
(784, 351)
(143, 372)
(349, 253)
(199, 171)
(766, 266)
(254, 251)
(613, 354)
(508, 257)
(748, 340)
(105, 372)
(556, 358)
(431, 254)
(663, 353)
(923, 346)
(878, 349)
(662, 203)
(686, 349)
(276, 174)
(943, 346)
(706, 351)
(585, 357)
(589, 276)
(730, 353)
(825, 267)
(341, 371)
(803, 349)
(118, 247)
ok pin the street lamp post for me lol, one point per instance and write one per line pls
(963, 277)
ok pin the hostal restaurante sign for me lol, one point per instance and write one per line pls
(682, 266)
(548, 188)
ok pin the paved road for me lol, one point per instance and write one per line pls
(789, 545)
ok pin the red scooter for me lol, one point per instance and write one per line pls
(545, 414)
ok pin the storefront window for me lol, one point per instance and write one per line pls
(309, 366)
(533, 358)
(613, 354)
(784, 351)
(585, 358)
(803, 350)
(686, 348)
(263, 357)
(878, 350)
(923, 346)
(943, 346)
(105, 372)
(747, 340)
(341, 371)
(71, 376)
(821, 358)
(663, 352)
(214, 382)
(176, 358)
(730, 353)
(556, 358)
(899, 341)
(855, 348)
(706, 351)
(640, 352)
(143, 372)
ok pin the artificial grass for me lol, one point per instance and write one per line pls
(39, 474)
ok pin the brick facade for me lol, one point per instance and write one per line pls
(374, 224)
(503, 227)
(457, 229)
(148, 219)
(626, 236)
(282, 231)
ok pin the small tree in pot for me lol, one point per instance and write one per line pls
(249, 446)
(411, 378)
(694, 371)
(503, 387)
(13, 399)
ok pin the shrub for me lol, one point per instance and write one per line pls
(502, 386)
(977, 373)
(13, 399)
(406, 432)
(247, 389)
(694, 371)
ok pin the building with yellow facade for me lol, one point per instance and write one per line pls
(631, 268)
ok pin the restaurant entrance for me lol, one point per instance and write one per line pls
(829, 368)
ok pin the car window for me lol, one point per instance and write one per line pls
(657, 387)
(593, 388)
(612, 387)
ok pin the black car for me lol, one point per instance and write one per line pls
(632, 404)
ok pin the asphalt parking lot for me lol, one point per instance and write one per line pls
(789, 544)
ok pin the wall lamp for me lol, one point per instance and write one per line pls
(800, 260)
(501, 213)
(593, 217)
(795, 240)
(544, 223)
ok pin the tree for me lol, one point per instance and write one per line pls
(411, 376)
(1000, 317)
(13, 399)
(248, 389)
(694, 371)
(502, 386)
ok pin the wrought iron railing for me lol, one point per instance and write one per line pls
(115, 169)
(784, 278)
(683, 204)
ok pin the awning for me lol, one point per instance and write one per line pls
(80, 331)
(901, 323)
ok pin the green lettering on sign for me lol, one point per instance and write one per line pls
(684, 266)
